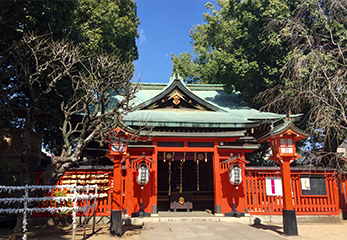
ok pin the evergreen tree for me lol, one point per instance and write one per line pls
(233, 48)
(314, 77)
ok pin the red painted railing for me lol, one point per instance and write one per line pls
(101, 177)
(258, 202)
(342, 185)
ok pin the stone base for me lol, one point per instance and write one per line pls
(140, 214)
(290, 226)
(116, 223)
(278, 219)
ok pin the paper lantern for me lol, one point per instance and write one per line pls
(235, 174)
(142, 174)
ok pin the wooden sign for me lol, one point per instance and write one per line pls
(273, 186)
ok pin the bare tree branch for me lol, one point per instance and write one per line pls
(314, 79)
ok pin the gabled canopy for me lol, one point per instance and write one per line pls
(282, 127)
(179, 105)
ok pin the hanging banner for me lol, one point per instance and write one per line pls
(197, 176)
(273, 186)
(181, 176)
(169, 193)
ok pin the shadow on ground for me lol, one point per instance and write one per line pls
(129, 229)
(62, 233)
(51, 232)
(273, 228)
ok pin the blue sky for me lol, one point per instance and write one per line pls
(164, 29)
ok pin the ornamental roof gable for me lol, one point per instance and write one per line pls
(177, 96)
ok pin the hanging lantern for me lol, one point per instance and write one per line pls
(235, 174)
(142, 174)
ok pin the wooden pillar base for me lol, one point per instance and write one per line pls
(234, 213)
(141, 213)
(290, 226)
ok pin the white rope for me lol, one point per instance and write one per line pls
(25, 199)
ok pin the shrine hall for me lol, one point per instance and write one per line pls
(185, 148)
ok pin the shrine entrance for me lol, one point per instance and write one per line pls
(185, 178)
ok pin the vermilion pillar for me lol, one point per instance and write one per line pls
(217, 181)
(116, 212)
(154, 197)
(117, 186)
(282, 139)
(286, 185)
(289, 216)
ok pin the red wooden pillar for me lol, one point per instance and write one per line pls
(286, 184)
(117, 191)
(217, 181)
(282, 140)
(128, 189)
(154, 198)
(289, 216)
(117, 194)
(242, 188)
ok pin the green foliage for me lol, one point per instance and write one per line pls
(102, 26)
(41, 17)
(260, 157)
(53, 203)
(314, 77)
(233, 47)
(96, 26)
(107, 26)
(6, 178)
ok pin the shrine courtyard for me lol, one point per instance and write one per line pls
(192, 230)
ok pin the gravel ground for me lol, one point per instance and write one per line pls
(312, 231)
(336, 231)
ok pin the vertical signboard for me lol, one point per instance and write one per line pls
(273, 186)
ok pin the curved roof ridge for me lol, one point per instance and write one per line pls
(177, 82)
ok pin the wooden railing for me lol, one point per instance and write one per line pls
(324, 203)
(102, 177)
(257, 201)
(342, 185)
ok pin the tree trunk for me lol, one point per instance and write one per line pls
(17, 232)
(330, 148)
(25, 174)
(57, 169)
(24, 180)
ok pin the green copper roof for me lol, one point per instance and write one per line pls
(216, 109)
(280, 127)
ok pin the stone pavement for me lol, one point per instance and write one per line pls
(196, 225)
(203, 230)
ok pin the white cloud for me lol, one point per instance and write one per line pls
(142, 38)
